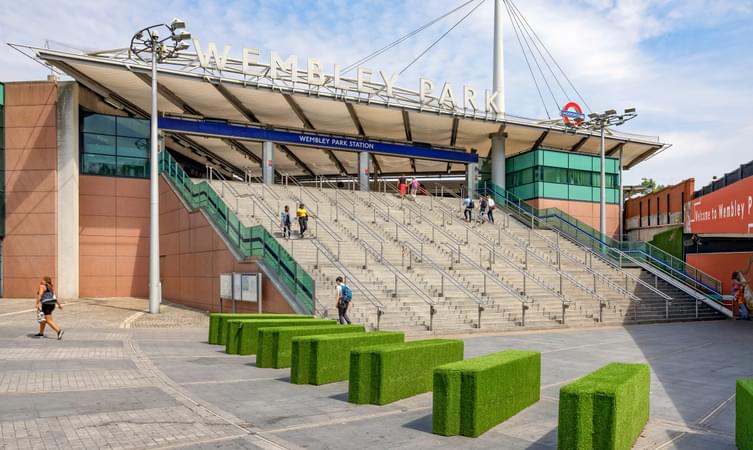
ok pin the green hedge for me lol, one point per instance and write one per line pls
(606, 409)
(218, 323)
(385, 373)
(243, 335)
(474, 395)
(326, 359)
(274, 347)
(744, 414)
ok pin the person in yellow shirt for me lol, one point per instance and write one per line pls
(303, 218)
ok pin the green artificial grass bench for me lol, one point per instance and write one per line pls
(744, 414)
(606, 409)
(274, 348)
(474, 395)
(386, 373)
(243, 334)
(326, 359)
(218, 323)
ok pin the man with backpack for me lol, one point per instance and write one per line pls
(344, 297)
(468, 211)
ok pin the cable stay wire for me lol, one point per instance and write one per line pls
(528, 63)
(554, 60)
(441, 37)
(405, 37)
(525, 29)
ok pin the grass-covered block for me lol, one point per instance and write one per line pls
(386, 373)
(274, 347)
(326, 359)
(218, 323)
(606, 409)
(243, 334)
(744, 414)
(474, 395)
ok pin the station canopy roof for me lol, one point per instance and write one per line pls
(189, 91)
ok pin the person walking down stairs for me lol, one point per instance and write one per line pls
(303, 219)
(285, 222)
(468, 208)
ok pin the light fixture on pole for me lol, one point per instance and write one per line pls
(147, 46)
(600, 122)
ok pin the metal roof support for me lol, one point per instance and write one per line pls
(454, 134)
(615, 149)
(377, 167)
(406, 125)
(237, 104)
(354, 117)
(296, 159)
(579, 144)
(642, 156)
(243, 149)
(188, 142)
(168, 94)
(413, 165)
(540, 140)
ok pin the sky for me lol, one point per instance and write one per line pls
(686, 65)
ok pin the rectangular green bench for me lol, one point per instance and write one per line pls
(744, 414)
(243, 334)
(386, 373)
(474, 395)
(218, 323)
(326, 359)
(605, 410)
(274, 348)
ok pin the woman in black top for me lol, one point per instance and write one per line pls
(46, 302)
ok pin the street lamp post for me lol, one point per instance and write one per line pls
(601, 122)
(147, 42)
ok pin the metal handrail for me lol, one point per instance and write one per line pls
(286, 178)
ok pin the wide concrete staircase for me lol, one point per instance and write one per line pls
(416, 265)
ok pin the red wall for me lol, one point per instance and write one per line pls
(721, 265)
(193, 256)
(30, 244)
(114, 237)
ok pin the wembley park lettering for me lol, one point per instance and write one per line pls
(288, 69)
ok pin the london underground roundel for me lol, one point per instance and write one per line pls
(572, 114)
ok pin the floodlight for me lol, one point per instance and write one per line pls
(629, 110)
(182, 36)
(592, 116)
(182, 46)
(177, 24)
(610, 112)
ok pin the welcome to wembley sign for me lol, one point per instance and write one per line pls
(287, 69)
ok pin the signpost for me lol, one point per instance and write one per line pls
(572, 114)
(240, 287)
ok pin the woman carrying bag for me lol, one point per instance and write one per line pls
(46, 302)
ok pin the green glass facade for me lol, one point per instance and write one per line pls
(554, 174)
(114, 146)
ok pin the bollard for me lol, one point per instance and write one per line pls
(432, 311)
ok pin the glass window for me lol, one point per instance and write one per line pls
(133, 167)
(98, 123)
(98, 165)
(555, 175)
(580, 177)
(128, 126)
(99, 143)
(133, 147)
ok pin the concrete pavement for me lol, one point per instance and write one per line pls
(124, 379)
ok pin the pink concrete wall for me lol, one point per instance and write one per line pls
(193, 256)
(114, 237)
(586, 212)
(30, 244)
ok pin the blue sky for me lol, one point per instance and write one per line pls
(687, 66)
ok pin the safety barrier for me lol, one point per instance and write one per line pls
(744, 414)
(274, 349)
(218, 323)
(242, 337)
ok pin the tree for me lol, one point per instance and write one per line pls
(651, 185)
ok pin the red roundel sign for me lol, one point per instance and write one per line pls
(572, 114)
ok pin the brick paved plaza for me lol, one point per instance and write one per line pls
(124, 379)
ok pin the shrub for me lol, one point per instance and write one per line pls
(274, 347)
(474, 395)
(218, 323)
(606, 409)
(326, 359)
(385, 373)
(243, 334)
(744, 414)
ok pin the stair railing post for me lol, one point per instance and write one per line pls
(381, 251)
(338, 250)
(441, 291)
(666, 309)
(432, 311)
(374, 220)
(316, 265)
(483, 294)
(594, 282)
(432, 234)
(525, 261)
(466, 235)
(601, 312)
(397, 236)
(365, 259)
(395, 293)
(523, 307)
(696, 308)
(480, 310)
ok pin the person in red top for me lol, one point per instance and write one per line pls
(738, 292)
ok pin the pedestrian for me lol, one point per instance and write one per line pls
(483, 204)
(468, 208)
(303, 218)
(344, 297)
(285, 222)
(490, 210)
(46, 301)
(745, 305)
(402, 185)
(414, 184)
